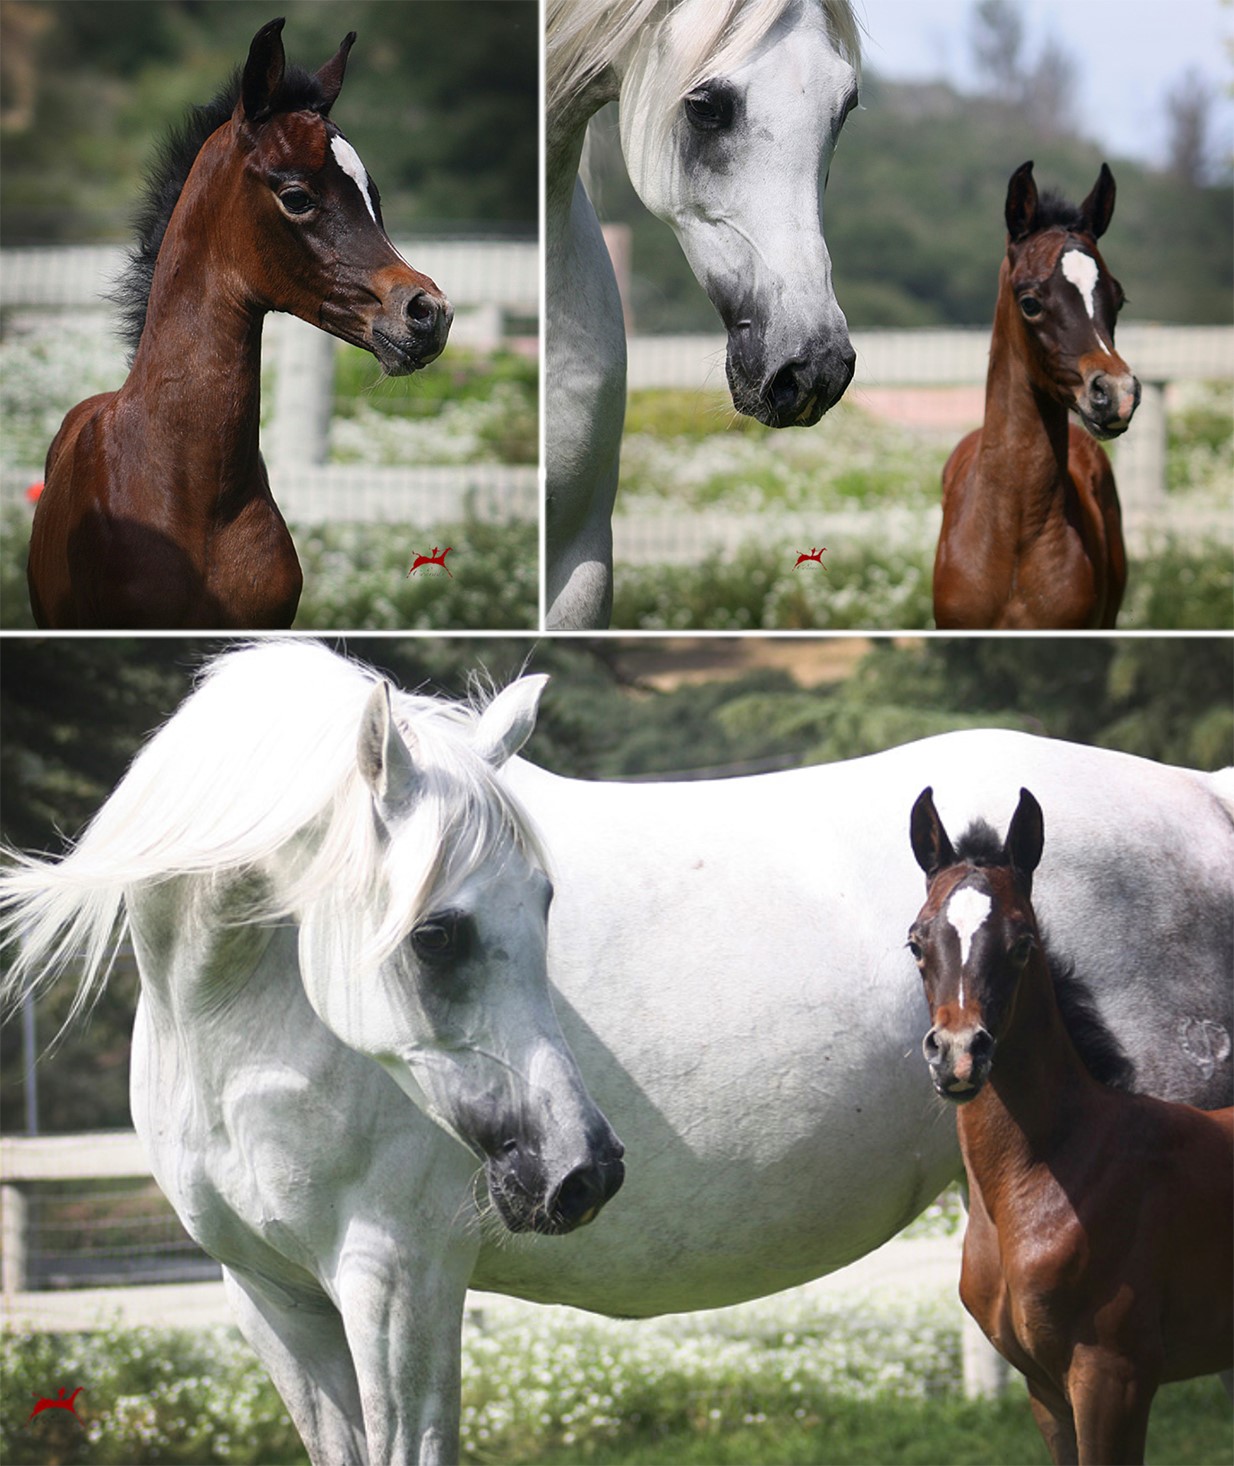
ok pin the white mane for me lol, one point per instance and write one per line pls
(587, 37)
(263, 754)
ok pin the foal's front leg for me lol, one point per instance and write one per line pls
(1055, 1422)
(1111, 1396)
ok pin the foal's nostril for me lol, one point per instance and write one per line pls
(931, 1048)
(981, 1046)
(421, 312)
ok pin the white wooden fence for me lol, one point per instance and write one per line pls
(495, 289)
(929, 1264)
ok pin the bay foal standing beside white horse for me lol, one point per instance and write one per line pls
(729, 111)
(705, 943)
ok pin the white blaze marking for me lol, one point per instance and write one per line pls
(966, 911)
(1081, 270)
(349, 161)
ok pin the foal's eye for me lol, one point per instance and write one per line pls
(441, 938)
(916, 949)
(1021, 949)
(710, 109)
(296, 201)
(1030, 306)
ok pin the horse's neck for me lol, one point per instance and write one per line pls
(195, 382)
(1024, 438)
(565, 135)
(1037, 1094)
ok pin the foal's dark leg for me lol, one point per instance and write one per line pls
(1056, 1424)
(1111, 1398)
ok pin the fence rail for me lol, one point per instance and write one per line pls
(1159, 356)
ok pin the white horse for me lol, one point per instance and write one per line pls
(339, 919)
(730, 111)
(728, 965)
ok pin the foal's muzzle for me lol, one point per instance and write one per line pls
(959, 1061)
(787, 393)
(1107, 403)
(411, 330)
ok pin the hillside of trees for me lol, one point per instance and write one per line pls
(441, 101)
(75, 712)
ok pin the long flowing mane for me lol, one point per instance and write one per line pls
(173, 162)
(261, 758)
(1102, 1054)
(585, 37)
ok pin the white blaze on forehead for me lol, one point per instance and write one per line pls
(966, 910)
(349, 161)
(1081, 269)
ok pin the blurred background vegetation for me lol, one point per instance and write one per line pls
(75, 711)
(441, 101)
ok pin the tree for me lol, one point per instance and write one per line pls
(997, 43)
(1188, 106)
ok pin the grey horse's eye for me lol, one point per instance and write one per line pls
(442, 937)
(710, 108)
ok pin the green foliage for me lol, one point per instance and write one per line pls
(796, 1379)
(358, 576)
(914, 217)
(440, 101)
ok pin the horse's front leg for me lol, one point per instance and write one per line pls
(403, 1312)
(304, 1349)
(1055, 1422)
(1111, 1396)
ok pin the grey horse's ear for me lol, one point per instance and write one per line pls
(931, 845)
(385, 759)
(506, 724)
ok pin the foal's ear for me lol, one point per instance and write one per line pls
(331, 74)
(506, 724)
(1098, 207)
(263, 71)
(1021, 208)
(1025, 838)
(384, 759)
(930, 843)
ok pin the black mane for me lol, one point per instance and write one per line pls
(1102, 1054)
(300, 91)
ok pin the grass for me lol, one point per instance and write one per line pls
(687, 451)
(787, 1380)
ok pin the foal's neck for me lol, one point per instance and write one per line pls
(1037, 1091)
(196, 374)
(1024, 438)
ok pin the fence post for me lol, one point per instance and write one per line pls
(985, 1370)
(1141, 455)
(303, 388)
(12, 1240)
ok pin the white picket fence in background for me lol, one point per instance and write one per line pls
(1159, 355)
(494, 287)
(924, 1265)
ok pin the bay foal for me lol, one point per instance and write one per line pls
(1032, 532)
(157, 512)
(1099, 1255)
